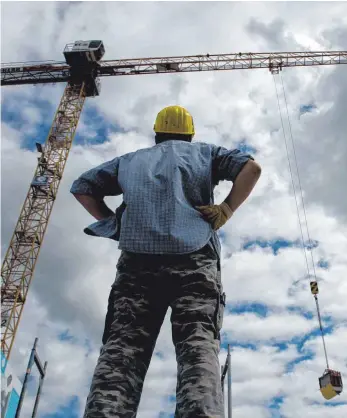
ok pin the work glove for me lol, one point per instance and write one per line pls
(216, 215)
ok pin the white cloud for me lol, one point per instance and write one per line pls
(75, 272)
(277, 327)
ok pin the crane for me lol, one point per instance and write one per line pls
(82, 70)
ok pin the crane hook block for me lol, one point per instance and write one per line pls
(330, 384)
(314, 288)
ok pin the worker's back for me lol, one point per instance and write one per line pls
(162, 185)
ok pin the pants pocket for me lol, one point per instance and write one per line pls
(108, 318)
(219, 313)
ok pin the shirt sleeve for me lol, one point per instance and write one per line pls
(227, 164)
(100, 181)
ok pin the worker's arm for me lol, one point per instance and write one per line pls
(235, 166)
(243, 185)
(95, 207)
(91, 188)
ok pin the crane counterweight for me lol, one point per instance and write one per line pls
(81, 53)
(83, 56)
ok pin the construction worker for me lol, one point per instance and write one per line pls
(166, 227)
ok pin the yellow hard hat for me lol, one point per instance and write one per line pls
(174, 120)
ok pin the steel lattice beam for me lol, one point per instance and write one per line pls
(25, 245)
(48, 72)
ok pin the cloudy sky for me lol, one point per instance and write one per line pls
(270, 321)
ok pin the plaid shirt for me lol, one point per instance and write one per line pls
(161, 187)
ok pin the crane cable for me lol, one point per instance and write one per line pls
(314, 286)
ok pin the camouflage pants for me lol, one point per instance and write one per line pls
(145, 286)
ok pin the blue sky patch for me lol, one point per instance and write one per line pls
(274, 406)
(87, 344)
(275, 245)
(16, 120)
(70, 410)
(225, 341)
(245, 147)
(276, 402)
(300, 341)
(221, 235)
(330, 403)
(65, 336)
(300, 311)
(323, 264)
(258, 308)
(100, 136)
(307, 108)
(311, 244)
(290, 366)
(172, 398)
(11, 118)
(163, 414)
(96, 123)
(282, 346)
(92, 119)
(278, 244)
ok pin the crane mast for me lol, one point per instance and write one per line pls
(22, 254)
(81, 72)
